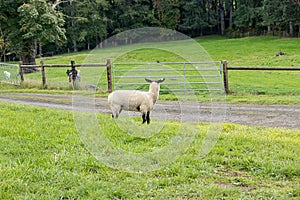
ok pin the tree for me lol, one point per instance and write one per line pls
(26, 23)
(130, 14)
(167, 12)
(9, 25)
(248, 14)
(222, 16)
(292, 17)
(281, 15)
(296, 2)
(39, 23)
(4, 46)
(194, 17)
(93, 22)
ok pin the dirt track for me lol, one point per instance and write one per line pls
(246, 114)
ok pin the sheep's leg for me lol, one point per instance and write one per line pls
(113, 112)
(144, 117)
(116, 111)
(148, 117)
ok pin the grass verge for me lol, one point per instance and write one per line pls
(42, 157)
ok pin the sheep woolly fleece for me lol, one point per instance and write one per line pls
(133, 100)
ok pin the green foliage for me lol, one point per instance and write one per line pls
(280, 19)
(39, 22)
(248, 15)
(167, 12)
(24, 24)
(194, 19)
(130, 15)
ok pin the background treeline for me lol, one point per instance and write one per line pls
(31, 28)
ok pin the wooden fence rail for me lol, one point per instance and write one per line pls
(226, 68)
(73, 67)
(108, 66)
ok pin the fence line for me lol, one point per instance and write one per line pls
(223, 70)
(226, 68)
(73, 67)
(264, 68)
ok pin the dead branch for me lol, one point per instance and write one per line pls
(296, 2)
(57, 2)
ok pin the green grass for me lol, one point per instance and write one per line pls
(263, 87)
(249, 51)
(42, 157)
(253, 51)
(258, 51)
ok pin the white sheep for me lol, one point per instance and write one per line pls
(7, 75)
(134, 100)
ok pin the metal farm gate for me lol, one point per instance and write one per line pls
(181, 77)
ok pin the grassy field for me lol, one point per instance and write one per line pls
(258, 51)
(42, 157)
(267, 87)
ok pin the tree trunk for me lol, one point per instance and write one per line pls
(35, 48)
(291, 29)
(28, 54)
(28, 59)
(73, 26)
(40, 49)
(75, 46)
(222, 18)
(231, 14)
(4, 57)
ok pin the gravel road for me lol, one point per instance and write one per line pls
(246, 114)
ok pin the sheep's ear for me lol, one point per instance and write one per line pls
(161, 80)
(148, 80)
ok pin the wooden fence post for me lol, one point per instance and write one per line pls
(43, 73)
(225, 76)
(109, 76)
(21, 72)
(72, 64)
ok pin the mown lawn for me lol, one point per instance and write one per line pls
(42, 157)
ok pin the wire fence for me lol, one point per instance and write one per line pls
(9, 73)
